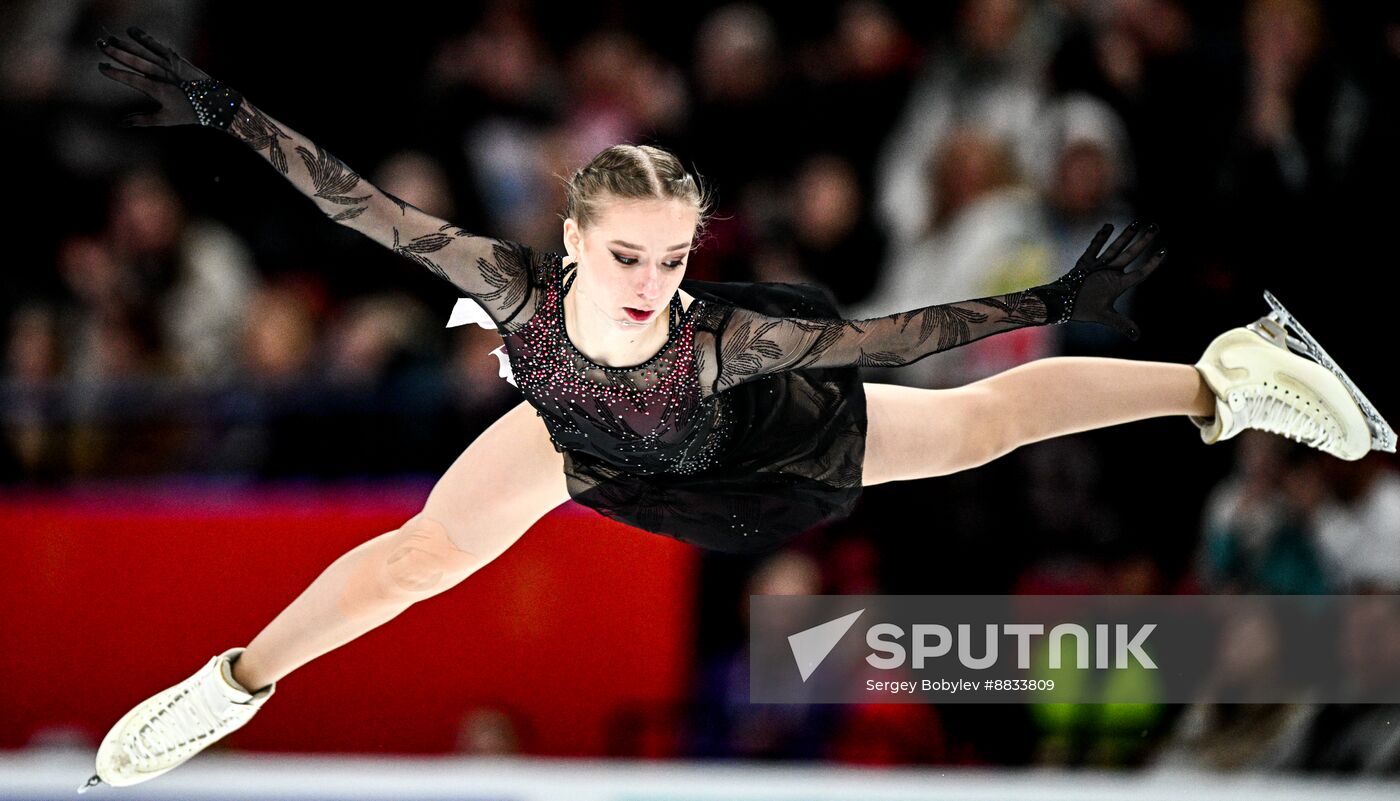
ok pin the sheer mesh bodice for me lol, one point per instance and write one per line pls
(646, 418)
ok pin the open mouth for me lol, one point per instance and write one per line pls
(638, 314)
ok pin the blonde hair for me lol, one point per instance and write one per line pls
(633, 172)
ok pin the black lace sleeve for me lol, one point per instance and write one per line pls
(749, 345)
(498, 274)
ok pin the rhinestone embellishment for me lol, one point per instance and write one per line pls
(214, 103)
(645, 419)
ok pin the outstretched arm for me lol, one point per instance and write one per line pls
(496, 273)
(493, 272)
(751, 345)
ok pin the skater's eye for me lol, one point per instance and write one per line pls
(629, 261)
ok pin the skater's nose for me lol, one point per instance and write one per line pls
(649, 287)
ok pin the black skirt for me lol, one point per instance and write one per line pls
(794, 459)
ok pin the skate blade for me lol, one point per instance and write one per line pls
(89, 784)
(1283, 329)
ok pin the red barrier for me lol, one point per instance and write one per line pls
(111, 596)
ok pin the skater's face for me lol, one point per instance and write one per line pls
(631, 258)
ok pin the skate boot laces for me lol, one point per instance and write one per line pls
(178, 730)
(1259, 407)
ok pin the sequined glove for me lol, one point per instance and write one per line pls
(1087, 293)
(186, 94)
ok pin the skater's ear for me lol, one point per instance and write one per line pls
(573, 237)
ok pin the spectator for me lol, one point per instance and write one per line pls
(727, 724)
(984, 237)
(1256, 536)
(1358, 525)
(991, 78)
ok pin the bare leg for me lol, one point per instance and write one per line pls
(356, 593)
(916, 433)
(469, 519)
(1053, 397)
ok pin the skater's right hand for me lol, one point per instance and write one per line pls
(158, 73)
(1087, 292)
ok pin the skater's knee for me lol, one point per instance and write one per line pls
(413, 563)
(991, 417)
(423, 556)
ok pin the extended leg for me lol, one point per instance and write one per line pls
(1064, 395)
(916, 433)
(469, 519)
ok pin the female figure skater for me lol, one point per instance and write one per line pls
(730, 416)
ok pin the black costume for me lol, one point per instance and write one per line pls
(746, 428)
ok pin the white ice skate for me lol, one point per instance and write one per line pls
(175, 724)
(1260, 382)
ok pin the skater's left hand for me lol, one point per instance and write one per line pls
(156, 71)
(1087, 293)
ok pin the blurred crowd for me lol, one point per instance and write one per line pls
(172, 306)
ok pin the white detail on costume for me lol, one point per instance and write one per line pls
(506, 373)
(469, 311)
